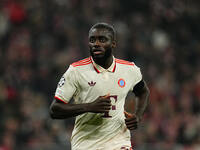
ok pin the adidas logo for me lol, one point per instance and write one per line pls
(91, 83)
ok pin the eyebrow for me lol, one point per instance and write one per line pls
(100, 36)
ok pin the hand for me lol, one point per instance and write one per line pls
(131, 121)
(101, 105)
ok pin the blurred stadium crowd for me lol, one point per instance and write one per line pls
(40, 38)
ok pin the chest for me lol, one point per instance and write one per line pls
(99, 84)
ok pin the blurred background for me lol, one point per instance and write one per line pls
(40, 38)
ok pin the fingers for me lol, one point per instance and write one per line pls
(131, 124)
(106, 108)
(132, 127)
(103, 111)
(131, 121)
(102, 104)
(105, 101)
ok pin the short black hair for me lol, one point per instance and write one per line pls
(106, 26)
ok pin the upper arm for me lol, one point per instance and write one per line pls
(67, 86)
(54, 109)
(139, 85)
(55, 103)
(140, 88)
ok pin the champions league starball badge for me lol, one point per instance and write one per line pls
(121, 83)
(61, 82)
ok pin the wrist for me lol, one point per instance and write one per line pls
(87, 107)
(139, 116)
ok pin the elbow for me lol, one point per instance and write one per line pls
(148, 92)
(52, 112)
(147, 95)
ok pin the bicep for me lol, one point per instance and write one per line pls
(140, 88)
(55, 103)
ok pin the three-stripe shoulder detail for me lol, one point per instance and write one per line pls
(120, 61)
(82, 62)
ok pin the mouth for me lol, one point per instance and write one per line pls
(97, 51)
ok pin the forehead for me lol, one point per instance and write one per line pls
(99, 32)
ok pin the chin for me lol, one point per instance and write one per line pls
(99, 56)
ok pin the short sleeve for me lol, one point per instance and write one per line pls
(137, 75)
(67, 86)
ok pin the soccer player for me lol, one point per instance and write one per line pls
(99, 85)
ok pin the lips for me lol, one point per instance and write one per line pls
(97, 51)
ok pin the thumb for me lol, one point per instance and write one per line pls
(106, 96)
(128, 115)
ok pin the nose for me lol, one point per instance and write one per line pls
(96, 43)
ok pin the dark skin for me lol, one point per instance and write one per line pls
(60, 110)
(101, 45)
(132, 120)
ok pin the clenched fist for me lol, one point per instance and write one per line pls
(131, 121)
(101, 105)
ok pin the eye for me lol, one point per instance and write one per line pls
(92, 40)
(103, 39)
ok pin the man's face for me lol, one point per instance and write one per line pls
(100, 43)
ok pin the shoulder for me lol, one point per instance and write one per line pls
(83, 62)
(124, 62)
(128, 65)
(73, 67)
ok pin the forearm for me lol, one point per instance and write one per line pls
(60, 110)
(142, 103)
(64, 111)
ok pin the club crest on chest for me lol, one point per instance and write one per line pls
(121, 83)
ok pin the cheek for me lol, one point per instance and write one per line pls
(90, 46)
(107, 46)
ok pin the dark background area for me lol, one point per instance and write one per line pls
(40, 38)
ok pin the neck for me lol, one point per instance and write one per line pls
(104, 62)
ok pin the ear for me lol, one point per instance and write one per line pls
(114, 44)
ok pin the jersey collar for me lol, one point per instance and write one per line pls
(100, 69)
